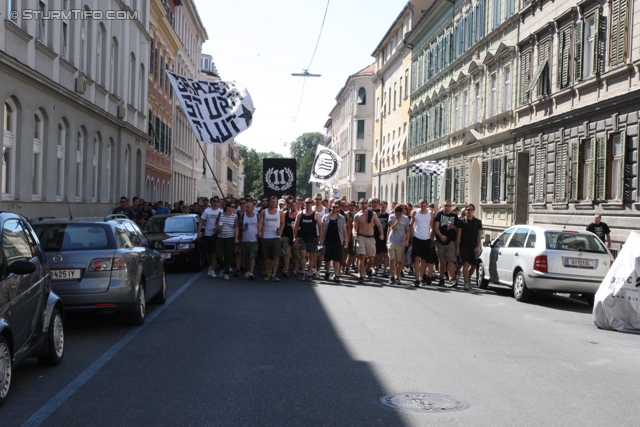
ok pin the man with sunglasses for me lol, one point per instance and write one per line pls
(305, 234)
(125, 209)
(334, 238)
(446, 229)
(469, 244)
(363, 224)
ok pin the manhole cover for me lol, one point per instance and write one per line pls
(424, 402)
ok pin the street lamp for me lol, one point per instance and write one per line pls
(305, 73)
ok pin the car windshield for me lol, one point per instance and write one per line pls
(74, 237)
(577, 242)
(171, 224)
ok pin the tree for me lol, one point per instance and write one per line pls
(253, 182)
(303, 149)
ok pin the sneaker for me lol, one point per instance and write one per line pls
(237, 273)
(267, 277)
(275, 278)
(452, 283)
(467, 286)
(416, 284)
(375, 272)
(296, 271)
(225, 277)
(402, 274)
(398, 282)
(209, 271)
(326, 276)
(370, 274)
(309, 277)
(441, 282)
(251, 276)
(392, 280)
(428, 281)
(246, 275)
(424, 277)
(230, 269)
(284, 273)
(213, 274)
(336, 279)
(385, 274)
(360, 279)
(317, 274)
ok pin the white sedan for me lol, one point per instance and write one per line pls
(545, 258)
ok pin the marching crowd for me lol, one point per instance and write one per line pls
(294, 235)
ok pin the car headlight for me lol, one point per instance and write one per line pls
(186, 246)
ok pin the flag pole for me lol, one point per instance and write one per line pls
(211, 169)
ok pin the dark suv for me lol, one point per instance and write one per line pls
(31, 315)
(103, 264)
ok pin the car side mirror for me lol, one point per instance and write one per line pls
(21, 267)
(158, 245)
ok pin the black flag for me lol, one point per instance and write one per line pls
(279, 177)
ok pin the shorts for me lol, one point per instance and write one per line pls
(310, 246)
(271, 248)
(421, 248)
(249, 250)
(396, 252)
(351, 249)
(381, 246)
(209, 244)
(333, 251)
(366, 246)
(432, 257)
(467, 254)
(290, 250)
(446, 253)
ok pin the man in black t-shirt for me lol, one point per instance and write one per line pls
(600, 229)
(445, 226)
(125, 209)
(469, 244)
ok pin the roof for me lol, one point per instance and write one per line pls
(369, 70)
(391, 28)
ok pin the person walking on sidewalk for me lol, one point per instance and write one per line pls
(469, 244)
(600, 229)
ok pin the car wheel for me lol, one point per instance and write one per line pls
(482, 282)
(138, 316)
(55, 341)
(161, 297)
(520, 291)
(5, 370)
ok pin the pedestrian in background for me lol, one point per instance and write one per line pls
(125, 209)
(469, 244)
(398, 240)
(445, 227)
(226, 226)
(334, 238)
(600, 229)
(248, 223)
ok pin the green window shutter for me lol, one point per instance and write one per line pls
(596, 42)
(573, 171)
(524, 78)
(461, 184)
(540, 175)
(601, 168)
(564, 59)
(592, 187)
(483, 181)
(622, 32)
(623, 166)
(495, 180)
(561, 173)
(615, 23)
(447, 184)
(579, 50)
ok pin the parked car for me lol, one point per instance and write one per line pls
(31, 315)
(545, 258)
(179, 233)
(103, 264)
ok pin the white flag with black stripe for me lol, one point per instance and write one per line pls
(325, 166)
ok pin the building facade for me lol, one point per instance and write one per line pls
(74, 95)
(577, 134)
(352, 134)
(391, 125)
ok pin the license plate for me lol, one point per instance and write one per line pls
(65, 274)
(165, 256)
(579, 263)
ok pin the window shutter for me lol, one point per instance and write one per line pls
(483, 182)
(622, 31)
(540, 176)
(573, 172)
(461, 184)
(592, 188)
(601, 168)
(579, 51)
(447, 184)
(624, 190)
(564, 60)
(615, 24)
(561, 173)
(495, 180)
(503, 179)
(596, 42)
(524, 77)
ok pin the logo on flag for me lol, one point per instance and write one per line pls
(217, 110)
(325, 166)
(279, 177)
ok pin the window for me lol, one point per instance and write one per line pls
(501, 241)
(584, 166)
(152, 59)
(563, 60)
(618, 54)
(107, 166)
(64, 41)
(455, 113)
(360, 129)
(62, 139)
(494, 180)
(506, 96)
(400, 98)
(8, 149)
(615, 166)
(101, 58)
(127, 170)
(361, 195)
(541, 77)
(95, 167)
(13, 7)
(82, 64)
(531, 240)
(132, 79)
(42, 30)
(360, 163)
(476, 100)
(493, 94)
(589, 41)
(229, 174)
(79, 158)
(362, 96)
(465, 108)
(525, 64)
(560, 181)
(406, 83)
(395, 96)
(540, 183)
(518, 239)
(496, 14)
(15, 245)
(36, 171)
(115, 65)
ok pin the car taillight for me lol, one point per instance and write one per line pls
(540, 264)
(106, 264)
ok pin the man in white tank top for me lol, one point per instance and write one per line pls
(421, 228)
(270, 227)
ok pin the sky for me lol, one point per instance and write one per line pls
(259, 43)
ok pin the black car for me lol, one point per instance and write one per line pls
(179, 233)
(31, 315)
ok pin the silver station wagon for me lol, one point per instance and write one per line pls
(545, 258)
(103, 264)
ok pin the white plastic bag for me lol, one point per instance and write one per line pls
(617, 302)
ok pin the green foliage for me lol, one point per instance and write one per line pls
(253, 169)
(303, 149)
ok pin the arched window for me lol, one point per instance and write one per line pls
(38, 139)
(84, 42)
(8, 149)
(80, 141)
(101, 58)
(62, 142)
(362, 96)
(96, 168)
(115, 64)
(127, 168)
(107, 165)
(143, 79)
(132, 79)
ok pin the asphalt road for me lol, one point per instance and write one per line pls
(240, 353)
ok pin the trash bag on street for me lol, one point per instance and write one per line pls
(617, 302)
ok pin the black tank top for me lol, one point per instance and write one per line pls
(288, 225)
(308, 225)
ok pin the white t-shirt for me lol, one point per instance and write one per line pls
(209, 216)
